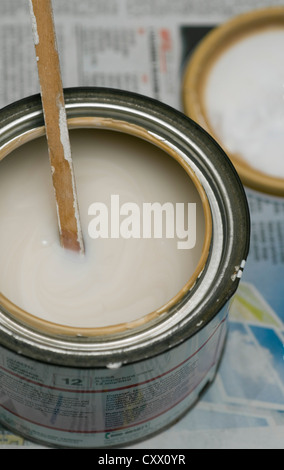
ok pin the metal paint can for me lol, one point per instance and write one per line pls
(82, 388)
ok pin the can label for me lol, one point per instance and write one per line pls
(100, 407)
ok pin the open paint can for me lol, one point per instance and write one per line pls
(88, 383)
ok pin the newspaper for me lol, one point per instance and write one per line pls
(143, 46)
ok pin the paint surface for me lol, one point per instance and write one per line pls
(244, 100)
(119, 279)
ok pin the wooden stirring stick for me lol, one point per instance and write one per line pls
(56, 124)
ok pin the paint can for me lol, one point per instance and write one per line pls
(92, 388)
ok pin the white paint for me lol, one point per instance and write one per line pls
(64, 134)
(244, 100)
(118, 280)
(65, 141)
(114, 365)
(34, 24)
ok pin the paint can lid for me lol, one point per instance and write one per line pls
(233, 114)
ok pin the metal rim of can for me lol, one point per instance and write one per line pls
(198, 69)
(218, 279)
